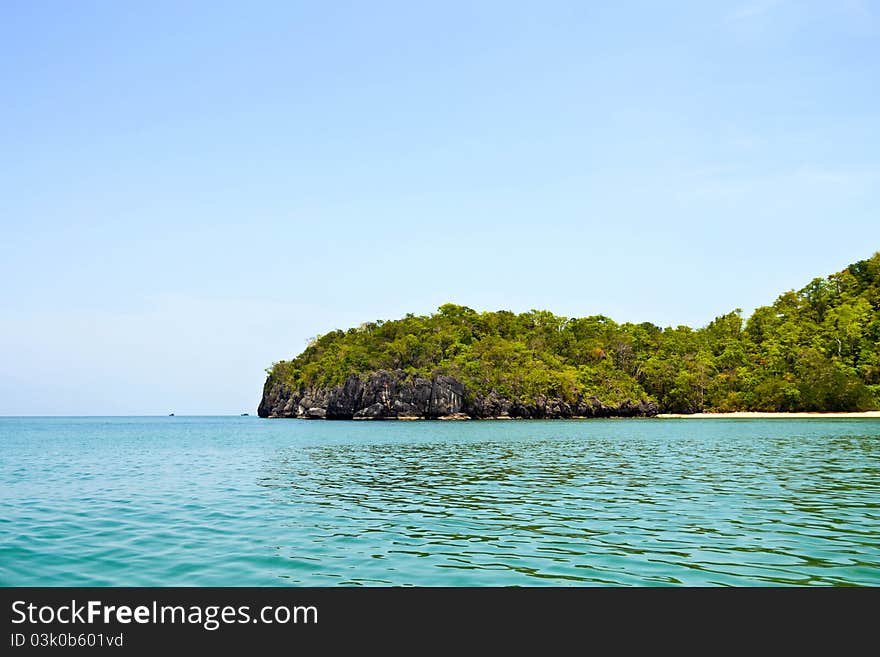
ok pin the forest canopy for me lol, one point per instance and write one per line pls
(817, 349)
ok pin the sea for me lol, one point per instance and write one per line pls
(243, 501)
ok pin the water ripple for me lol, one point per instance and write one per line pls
(229, 501)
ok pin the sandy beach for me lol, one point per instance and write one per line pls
(760, 415)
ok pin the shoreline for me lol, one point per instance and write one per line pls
(733, 415)
(759, 415)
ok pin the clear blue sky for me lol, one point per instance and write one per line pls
(190, 190)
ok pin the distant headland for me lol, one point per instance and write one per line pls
(813, 351)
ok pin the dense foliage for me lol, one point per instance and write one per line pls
(813, 350)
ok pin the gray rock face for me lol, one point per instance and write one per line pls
(387, 395)
(377, 396)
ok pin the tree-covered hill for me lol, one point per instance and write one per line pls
(817, 349)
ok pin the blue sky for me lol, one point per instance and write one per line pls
(191, 190)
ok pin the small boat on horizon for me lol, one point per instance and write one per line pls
(245, 414)
(171, 415)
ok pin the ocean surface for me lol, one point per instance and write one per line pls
(240, 501)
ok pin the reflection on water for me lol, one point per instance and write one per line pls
(231, 502)
(594, 511)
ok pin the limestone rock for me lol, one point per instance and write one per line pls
(385, 395)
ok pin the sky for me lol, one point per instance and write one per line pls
(189, 191)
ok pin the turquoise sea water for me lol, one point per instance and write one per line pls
(243, 501)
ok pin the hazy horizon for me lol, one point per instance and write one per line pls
(191, 192)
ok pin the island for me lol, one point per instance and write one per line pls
(814, 350)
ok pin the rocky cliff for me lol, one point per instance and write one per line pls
(387, 395)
